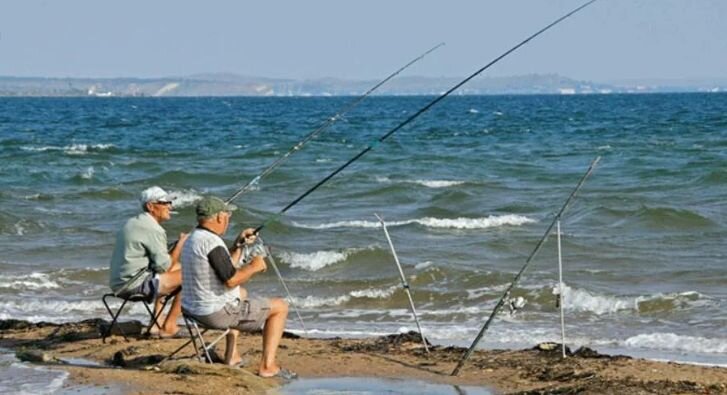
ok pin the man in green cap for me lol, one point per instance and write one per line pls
(211, 291)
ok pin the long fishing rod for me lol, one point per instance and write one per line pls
(414, 116)
(501, 302)
(330, 121)
(404, 283)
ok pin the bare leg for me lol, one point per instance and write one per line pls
(168, 283)
(232, 357)
(272, 333)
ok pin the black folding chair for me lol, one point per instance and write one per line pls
(133, 299)
(196, 337)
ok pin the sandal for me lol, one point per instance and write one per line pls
(283, 373)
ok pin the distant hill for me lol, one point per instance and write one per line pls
(238, 85)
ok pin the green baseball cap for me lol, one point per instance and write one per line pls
(212, 205)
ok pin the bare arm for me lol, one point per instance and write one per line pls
(245, 273)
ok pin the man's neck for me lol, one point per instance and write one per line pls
(157, 219)
(211, 227)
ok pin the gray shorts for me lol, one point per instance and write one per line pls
(247, 315)
(149, 288)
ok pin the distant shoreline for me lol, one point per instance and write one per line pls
(230, 85)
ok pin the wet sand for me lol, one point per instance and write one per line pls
(134, 366)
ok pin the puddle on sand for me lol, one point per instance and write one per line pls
(375, 386)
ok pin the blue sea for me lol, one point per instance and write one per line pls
(467, 190)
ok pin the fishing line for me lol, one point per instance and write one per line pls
(374, 143)
(501, 302)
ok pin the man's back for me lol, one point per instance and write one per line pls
(141, 243)
(203, 293)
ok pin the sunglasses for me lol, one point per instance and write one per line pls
(164, 203)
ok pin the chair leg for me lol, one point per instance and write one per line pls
(192, 335)
(211, 345)
(107, 331)
(114, 318)
(154, 317)
(205, 348)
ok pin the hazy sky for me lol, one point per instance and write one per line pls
(610, 40)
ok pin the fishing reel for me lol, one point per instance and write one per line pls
(251, 250)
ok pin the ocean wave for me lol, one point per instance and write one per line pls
(73, 149)
(370, 293)
(315, 260)
(20, 378)
(426, 183)
(674, 218)
(674, 342)
(88, 173)
(58, 310)
(30, 281)
(185, 198)
(430, 222)
(582, 300)
(575, 299)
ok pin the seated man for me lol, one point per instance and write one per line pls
(141, 264)
(211, 291)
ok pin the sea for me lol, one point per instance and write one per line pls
(466, 190)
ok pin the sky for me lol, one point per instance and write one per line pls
(611, 40)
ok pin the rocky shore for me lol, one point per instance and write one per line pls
(139, 366)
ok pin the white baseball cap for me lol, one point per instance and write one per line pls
(155, 194)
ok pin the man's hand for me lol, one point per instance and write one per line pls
(247, 236)
(258, 264)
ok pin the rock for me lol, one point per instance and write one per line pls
(36, 356)
(130, 328)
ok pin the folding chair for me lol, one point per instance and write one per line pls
(133, 298)
(197, 336)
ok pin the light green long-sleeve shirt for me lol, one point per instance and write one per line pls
(140, 244)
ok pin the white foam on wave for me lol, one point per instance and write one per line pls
(58, 310)
(19, 229)
(430, 222)
(581, 300)
(88, 173)
(185, 198)
(437, 183)
(375, 293)
(473, 111)
(480, 292)
(73, 149)
(371, 293)
(426, 183)
(30, 281)
(674, 342)
(315, 260)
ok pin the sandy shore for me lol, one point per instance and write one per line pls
(134, 366)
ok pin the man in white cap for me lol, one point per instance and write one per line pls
(141, 264)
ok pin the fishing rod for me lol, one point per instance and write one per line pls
(414, 116)
(501, 302)
(404, 283)
(330, 121)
